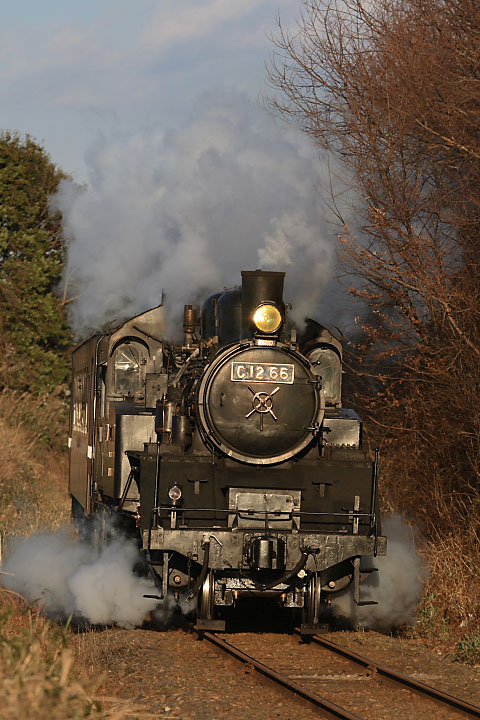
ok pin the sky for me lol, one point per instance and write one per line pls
(156, 109)
(71, 71)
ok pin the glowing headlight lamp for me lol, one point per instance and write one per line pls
(267, 318)
(175, 493)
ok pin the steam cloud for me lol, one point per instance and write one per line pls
(396, 586)
(185, 210)
(66, 577)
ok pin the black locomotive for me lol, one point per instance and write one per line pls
(229, 454)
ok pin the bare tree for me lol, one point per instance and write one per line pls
(392, 89)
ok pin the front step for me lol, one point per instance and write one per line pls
(314, 629)
(214, 625)
(356, 583)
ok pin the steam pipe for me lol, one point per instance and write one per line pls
(374, 500)
(185, 365)
(185, 391)
(157, 477)
(189, 323)
(290, 574)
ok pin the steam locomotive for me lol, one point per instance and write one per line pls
(228, 456)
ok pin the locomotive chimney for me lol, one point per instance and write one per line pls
(259, 286)
(189, 322)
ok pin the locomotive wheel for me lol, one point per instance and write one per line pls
(312, 605)
(206, 607)
(205, 610)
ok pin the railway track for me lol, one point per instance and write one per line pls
(397, 691)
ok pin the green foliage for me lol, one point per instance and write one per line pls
(33, 328)
(430, 618)
(468, 649)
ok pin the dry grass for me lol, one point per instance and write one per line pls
(449, 521)
(44, 668)
(37, 678)
(108, 650)
(33, 485)
(40, 676)
(449, 614)
(37, 674)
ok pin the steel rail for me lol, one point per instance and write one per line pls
(411, 683)
(282, 680)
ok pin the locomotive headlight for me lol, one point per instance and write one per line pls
(267, 318)
(175, 493)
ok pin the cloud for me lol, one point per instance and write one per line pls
(185, 210)
(177, 22)
(120, 52)
(70, 72)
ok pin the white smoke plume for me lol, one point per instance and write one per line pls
(396, 586)
(185, 210)
(64, 577)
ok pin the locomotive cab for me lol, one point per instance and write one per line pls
(229, 455)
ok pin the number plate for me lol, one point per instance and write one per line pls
(262, 372)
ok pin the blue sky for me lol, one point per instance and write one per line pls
(154, 106)
(70, 71)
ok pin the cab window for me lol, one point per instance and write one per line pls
(129, 357)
